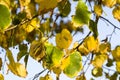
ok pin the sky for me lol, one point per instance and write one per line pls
(104, 30)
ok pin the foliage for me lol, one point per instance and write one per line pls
(35, 22)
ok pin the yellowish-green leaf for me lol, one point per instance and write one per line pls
(44, 7)
(57, 56)
(64, 7)
(4, 17)
(18, 69)
(91, 43)
(116, 53)
(1, 77)
(109, 3)
(63, 38)
(99, 60)
(72, 64)
(116, 12)
(98, 10)
(37, 50)
(82, 15)
(97, 72)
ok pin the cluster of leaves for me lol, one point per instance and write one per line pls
(35, 22)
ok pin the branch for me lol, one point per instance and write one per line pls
(37, 75)
(82, 41)
(109, 22)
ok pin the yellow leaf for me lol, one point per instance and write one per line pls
(109, 3)
(1, 77)
(37, 50)
(24, 2)
(63, 39)
(98, 10)
(104, 47)
(91, 43)
(99, 60)
(46, 77)
(118, 66)
(116, 53)
(116, 12)
(83, 50)
(44, 7)
(18, 69)
(65, 62)
(0, 63)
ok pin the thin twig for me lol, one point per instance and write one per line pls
(109, 22)
(38, 74)
(82, 41)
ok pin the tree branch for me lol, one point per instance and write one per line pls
(109, 22)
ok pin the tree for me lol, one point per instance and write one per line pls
(37, 21)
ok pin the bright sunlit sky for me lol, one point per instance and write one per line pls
(104, 28)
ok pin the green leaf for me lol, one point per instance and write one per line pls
(97, 72)
(26, 60)
(64, 7)
(73, 64)
(82, 15)
(21, 54)
(93, 28)
(57, 56)
(4, 17)
(109, 63)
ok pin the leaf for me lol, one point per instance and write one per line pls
(110, 62)
(83, 50)
(53, 56)
(10, 57)
(91, 43)
(82, 15)
(44, 7)
(37, 50)
(24, 2)
(73, 64)
(116, 13)
(99, 60)
(118, 66)
(98, 10)
(63, 38)
(0, 63)
(26, 60)
(57, 56)
(21, 54)
(114, 76)
(1, 77)
(18, 69)
(93, 28)
(104, 47)
(97, 72)
(5, 19)
(64, 7)
(81, 77)
(116, 53)
(46, 77)
(109, 3)
(23, 47)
